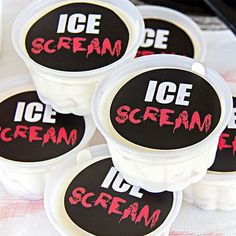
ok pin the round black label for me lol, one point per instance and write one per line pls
(162, 37)
(225, 160)
(165, 109)
(31, 131)
(100, 202)
(77, 37)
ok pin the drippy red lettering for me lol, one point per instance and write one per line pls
(85, 198)
(122, 113)
(77, 45)
(132, 118)
(144, 213)
(150, 113)
(164, 117)
(33, 134)
(206, 124)
(20, 131)
(130, 211)
(182, 119)
(64, 42)
(103, 200)
(3, 135)
(50, 134)
(37, 45)
(107, 46)
(77, 194)
(94, 46)
(222, 142)
(46, 47)
(63, 135)
(115, 205)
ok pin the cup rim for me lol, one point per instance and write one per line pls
(160, 62)
(29, 12)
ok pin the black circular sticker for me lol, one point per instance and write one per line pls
(100, 202)
(225, 160)
(31, 131)
(77, 37)
(162, 37)
(165, 109)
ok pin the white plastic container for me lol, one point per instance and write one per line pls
(91, 198)
(34, 139)
(69, 46)
(168, 31)
(161, 116)
(218, 188)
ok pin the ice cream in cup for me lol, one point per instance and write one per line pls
(162, 116)
(218, 188)
(69, 46)
(92, 198)
(35, 139)
(168, 31)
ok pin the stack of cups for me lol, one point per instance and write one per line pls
(161, 115)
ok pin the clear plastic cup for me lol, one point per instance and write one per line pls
(34, 138)
(69, 46)
(216, 191)
(168, 31)
(107, 204)
(162, 116)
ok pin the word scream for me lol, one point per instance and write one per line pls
(163, 117)
(76, 45)
(116, 205)
(76, 24)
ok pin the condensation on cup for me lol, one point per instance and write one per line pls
(168, 31)
(218, 188)
(69, 46)
(92, 198)
(162, 116)
(35, 139)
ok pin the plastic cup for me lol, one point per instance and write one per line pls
(91, 198)
(162, 116)
(216, 191)
(69, 46)
(168, 31)
(34, 139)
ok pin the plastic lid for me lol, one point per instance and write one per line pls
(77, 36)
(33, 134)
(162, 103)
(93, 197)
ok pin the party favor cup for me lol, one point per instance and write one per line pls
(218, 188)
(170, 32)
(69, 46)
(34, 139)
(162, 116)
(92, 198)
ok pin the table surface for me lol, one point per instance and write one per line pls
(22, 217)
